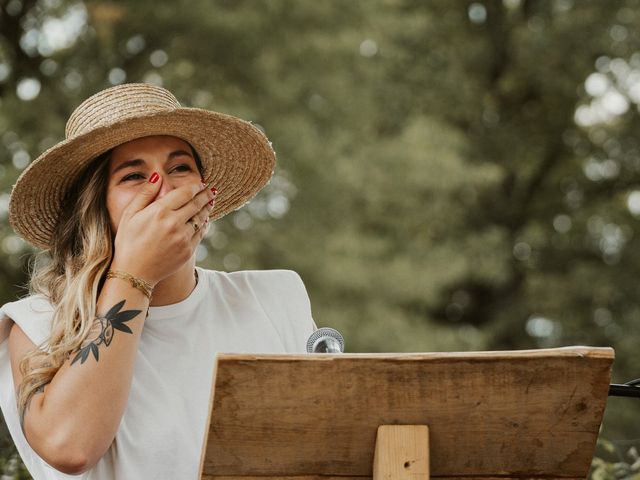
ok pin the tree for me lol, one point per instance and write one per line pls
(451, 176)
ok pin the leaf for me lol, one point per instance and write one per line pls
(94, 350)
(122, 327)
(75, 359)
(111, 314)
(85, 354)
(118, 321)
(125, 316)
(116, 318)
(82, 354)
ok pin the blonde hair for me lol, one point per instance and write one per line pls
(70, 275)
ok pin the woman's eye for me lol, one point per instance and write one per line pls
(133, 176)
(182, 168)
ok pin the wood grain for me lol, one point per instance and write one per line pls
(517, 414)
(324, 477)
(401, 453)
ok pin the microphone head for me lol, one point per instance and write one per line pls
(325, 340)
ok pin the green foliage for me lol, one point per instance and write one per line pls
(10, 464)
(451, 175)
(615, 465)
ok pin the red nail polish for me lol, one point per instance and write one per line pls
(214, 190)
(154, 178)
(211, 203)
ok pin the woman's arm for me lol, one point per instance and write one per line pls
(73, 421)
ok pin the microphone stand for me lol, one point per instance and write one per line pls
(629, 389)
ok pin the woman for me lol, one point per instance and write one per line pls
(111, 357)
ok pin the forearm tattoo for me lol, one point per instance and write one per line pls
(103, 330)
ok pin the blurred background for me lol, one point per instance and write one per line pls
(451, 175)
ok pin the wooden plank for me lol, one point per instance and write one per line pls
(323, 477)
(401, 453)
(508, 414)
(305, 477)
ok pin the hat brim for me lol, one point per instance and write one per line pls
(236, 157)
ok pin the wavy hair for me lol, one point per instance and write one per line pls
(70, 275)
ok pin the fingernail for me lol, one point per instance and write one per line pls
(154, 178)
(211, 203)
(214, 190)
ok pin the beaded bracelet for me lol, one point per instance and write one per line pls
(135, 282)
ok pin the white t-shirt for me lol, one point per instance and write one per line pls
(162, 429)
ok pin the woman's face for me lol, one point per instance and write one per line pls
(132, 164)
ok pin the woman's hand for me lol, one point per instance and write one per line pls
(156, 237)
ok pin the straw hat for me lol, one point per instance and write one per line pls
(236, 157)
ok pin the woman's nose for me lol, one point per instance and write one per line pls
(166, 187)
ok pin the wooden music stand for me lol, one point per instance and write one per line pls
(531, 413)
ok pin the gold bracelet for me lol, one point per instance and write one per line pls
(142, 285)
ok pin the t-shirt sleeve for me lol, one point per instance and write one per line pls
(33, 314)
(286, 301)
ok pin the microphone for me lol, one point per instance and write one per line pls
(325, 340)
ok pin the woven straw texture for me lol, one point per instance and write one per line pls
(236, 157)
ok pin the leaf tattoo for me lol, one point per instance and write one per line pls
(103, 330)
